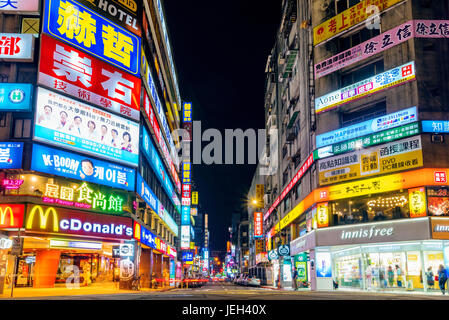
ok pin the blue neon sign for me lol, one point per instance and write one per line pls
(435, 126)
(76, 24)
(11, 155)
(75, 166)
(388, 121)
(185, 215)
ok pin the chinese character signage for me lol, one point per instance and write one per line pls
(349, 18)
(16, 96)
(185, 237)
(417, 201)
(322, 215)
(19, 6)
(258, 224)
(145, 192)
(48, 219)
(81, 27)
(187, 256)
(186, 170)
(11, 155)
(77, 126)
(16, 47)
(435, 126)
(187, 112)
(374, 84)
(194, 197)
(78, 74)
(158, 136)
(388, 121)
(75, 166)
(155, 161)
(367, 141)
(122, 12)
(185, 215)
(396, 156)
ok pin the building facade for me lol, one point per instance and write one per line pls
(91, 177)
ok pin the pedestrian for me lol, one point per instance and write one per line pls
(295, 279)
(399, 276)
(369, 274)
(442, 278)
(430, 278)
(382, 281)
(390, 273)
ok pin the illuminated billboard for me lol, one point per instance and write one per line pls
(70, 124)
(16, 47)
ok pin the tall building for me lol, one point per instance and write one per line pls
(89, 169)
(371, 209)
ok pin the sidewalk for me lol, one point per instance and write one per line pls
(96, 288)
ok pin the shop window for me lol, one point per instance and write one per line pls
(22, 128)
(367, 113)
(438, 201)
(362, 73)
(381, 207)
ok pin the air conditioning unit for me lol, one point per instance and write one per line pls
(437, 138)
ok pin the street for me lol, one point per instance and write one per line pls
(227, 291)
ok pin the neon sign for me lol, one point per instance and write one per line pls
(82, 197)
(12, 184)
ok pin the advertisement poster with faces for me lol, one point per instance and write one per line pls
(70, 124)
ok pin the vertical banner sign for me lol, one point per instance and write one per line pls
(417, 201)
(259, 194)
(258, 225)
(71, 71)
(74, 125)
(194, 197)
(187, 119)
(74, 23)
(322, 215)
(385, 80)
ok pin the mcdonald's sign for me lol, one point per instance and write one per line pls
(11, 215)
(59, 220)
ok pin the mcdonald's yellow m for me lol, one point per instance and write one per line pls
(43, 217)
(3, 214)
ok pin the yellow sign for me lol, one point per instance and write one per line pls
(322, 215)
(192, 245)
(259, 246)
(30, 25)
(43, 218)
(194, 197)
(259, 192)
(417, 201)
(395, 156)
(348, 18)
(3, 214)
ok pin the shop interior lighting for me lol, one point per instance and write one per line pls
(348, 249)
(388, 202)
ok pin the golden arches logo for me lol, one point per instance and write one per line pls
(43, 218)
(3, 213)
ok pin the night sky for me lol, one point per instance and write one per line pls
(220, 50)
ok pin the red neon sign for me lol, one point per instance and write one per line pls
(66, 69)
(258, 224)
(11, 215)
(287, 189)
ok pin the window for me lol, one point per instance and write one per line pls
(298, 190)
(284, 152)
(2, 119)
(285, 177)
(342, 5)
(367, 113)
(345, 43)
(362, 73)
(298, 159)
(22, 128)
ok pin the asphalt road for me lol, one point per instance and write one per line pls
(227, 291)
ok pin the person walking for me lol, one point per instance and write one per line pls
(442, 278)
(399, 276)
(430, 278)
(295, 279)
(390, 273)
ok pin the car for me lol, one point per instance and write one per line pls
(245, 279)
(253, 282)
(238, 280)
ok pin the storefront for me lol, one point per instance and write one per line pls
(390, 255)
(63, 247)
(302, 249)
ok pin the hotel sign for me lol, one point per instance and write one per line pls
(391, 78)
(387, 158)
